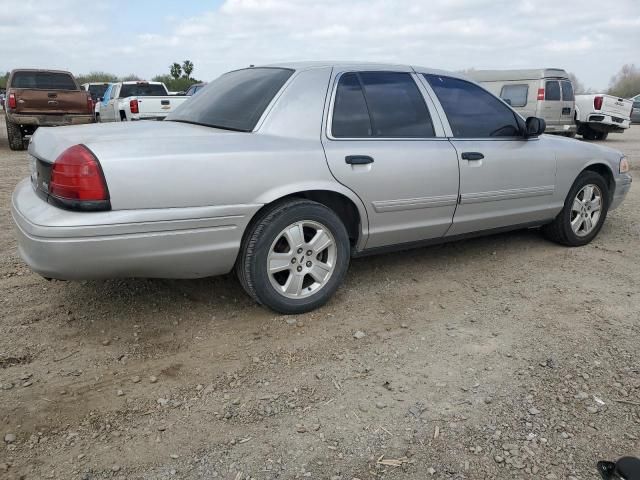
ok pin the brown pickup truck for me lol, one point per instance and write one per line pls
(38, 98)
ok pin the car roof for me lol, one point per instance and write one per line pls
(522, 74)
(135, 82)
(347, 65)
(49, 70)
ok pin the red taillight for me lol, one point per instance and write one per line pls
(76, 175)
(12, 101)
(597, 102)
(133, 106)
(541, 94)
(90, 103)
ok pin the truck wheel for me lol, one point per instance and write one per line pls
(294, 256)
(589, 133)
(602, 135)
(14, 134)
(584, 212)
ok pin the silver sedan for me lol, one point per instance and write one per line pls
(285, 172)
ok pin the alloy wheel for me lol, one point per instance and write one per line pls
(586, 210)
(301, 259)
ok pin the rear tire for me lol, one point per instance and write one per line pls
(14, 135)
(576, 209)
(294, 256)
(589, 133)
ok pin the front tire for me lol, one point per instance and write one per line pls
(294, 256)
(14, 135)
(584, 212)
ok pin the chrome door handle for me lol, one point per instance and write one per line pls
(472, 156)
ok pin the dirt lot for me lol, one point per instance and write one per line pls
(502, 357)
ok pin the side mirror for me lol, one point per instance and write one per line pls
(626, 468)
(534, 127)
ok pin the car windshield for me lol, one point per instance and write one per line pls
(143, 90)
(97, 91)
(234, 101)
(43, 81)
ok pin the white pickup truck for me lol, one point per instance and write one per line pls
(136, 100)
(600, 114)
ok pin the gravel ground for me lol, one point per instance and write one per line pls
(501, 357)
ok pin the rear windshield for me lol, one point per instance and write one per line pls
(43, 81)
(235, 101)
(97, 91)
(143, 90)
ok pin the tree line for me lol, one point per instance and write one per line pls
(178, 79)
(624, 84)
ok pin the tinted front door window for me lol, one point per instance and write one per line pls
(472, 111)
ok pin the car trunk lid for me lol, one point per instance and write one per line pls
(117, 138)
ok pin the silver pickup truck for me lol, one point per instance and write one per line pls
(136, 100)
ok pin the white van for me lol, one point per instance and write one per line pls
(543, 92)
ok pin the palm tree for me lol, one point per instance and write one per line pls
(176, 70)
(187, 67)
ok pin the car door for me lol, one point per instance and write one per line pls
(383, 141)
(106, 106)
(568, 103)
(505, 179)
(552, 103)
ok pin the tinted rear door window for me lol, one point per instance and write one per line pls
(552, 90)
(380, 104)
(472, 111)
(43, 81)
(235, 101)
(350, 114)
(515, 95)
(396, 105)
(567, 90)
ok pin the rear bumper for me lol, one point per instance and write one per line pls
(606, 123)
(623, 185)
(50, 120)
(135, 118)
(561, 128)
(188, 242)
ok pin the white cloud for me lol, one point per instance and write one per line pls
(448, 34)
(583, 44)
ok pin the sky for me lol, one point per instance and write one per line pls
(590, 38)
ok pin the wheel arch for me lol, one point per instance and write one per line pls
(342, 201)
(605, 172)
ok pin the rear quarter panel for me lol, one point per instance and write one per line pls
(205, 166)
